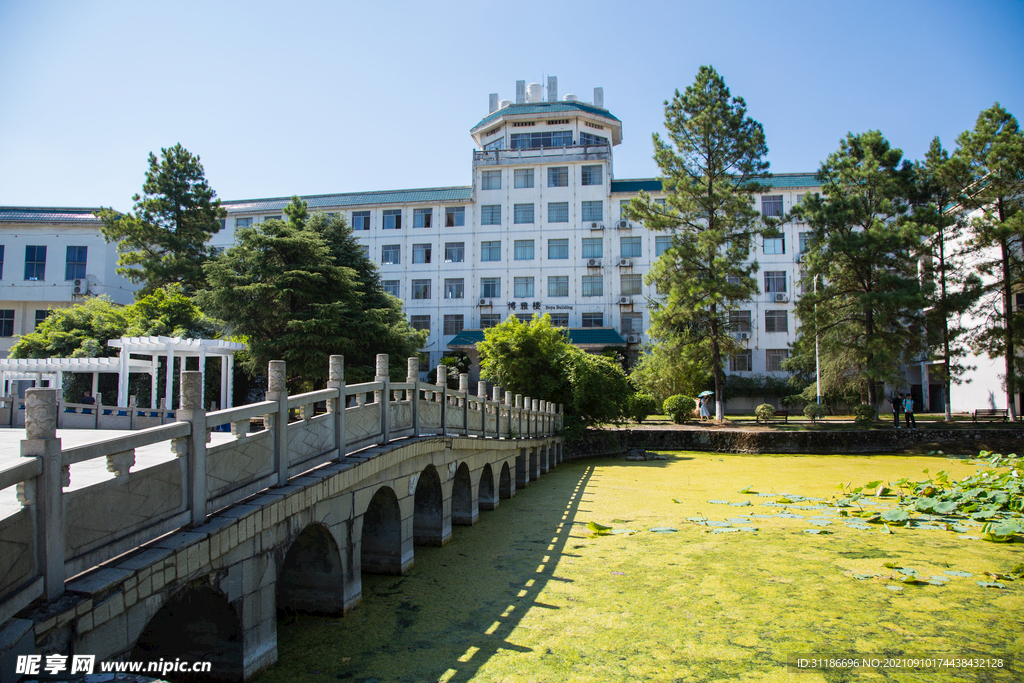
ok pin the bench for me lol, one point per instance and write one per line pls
(779, 415)
(1000, 414)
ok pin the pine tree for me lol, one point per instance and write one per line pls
(165, 240)
(711, 167)
(861, 292)
(987, 172)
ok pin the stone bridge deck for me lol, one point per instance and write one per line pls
(193, 557)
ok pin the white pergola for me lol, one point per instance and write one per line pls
(53, 369)
(169, 347)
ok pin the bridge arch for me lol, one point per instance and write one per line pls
(312, 578)
(505, 489)
(463, 511)
(428, 509)
(381, 545)
(197, 624)
(486, 497)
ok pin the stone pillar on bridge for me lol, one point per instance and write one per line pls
(464, 401)
(336, 381)
(192, 411)
(383, 397)
(481, 393)
(442, 396)
(412, 376)
(44, 493)
(277, 391)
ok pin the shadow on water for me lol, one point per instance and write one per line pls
(458, 606)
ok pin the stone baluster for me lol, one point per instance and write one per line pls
(191, 410)
(277, 391)
(442, 396)
(412, 375)
(481, 393)
(45, 491)
(382, 397)
(336, 381)
(508, 410)
(464, 401)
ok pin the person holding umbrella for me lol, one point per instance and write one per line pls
(704, 397)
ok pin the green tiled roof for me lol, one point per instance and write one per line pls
(779, 180)
(604, 336)
(37, 214)
(320, 201)
(546, 108)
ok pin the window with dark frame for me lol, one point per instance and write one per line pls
(35, 263)
(74, 268)
(454, 288)
(421, 253)
(391, 254)
(360, 220)
(558, 285)
(421, 218)
(454, 252)
(592, 319)
(392, 219)
(776, 321)
(419, 322)
(742, 361)
(454, 216)
(453, 324)
(6, 322)
(421, 289)
(558, 249)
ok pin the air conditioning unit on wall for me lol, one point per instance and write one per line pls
(597, 226)
(623, 300)
(594, 263)
(81, 286)
(781, 297)
(625, 263)
(622, 225)
(633, 339)
(484, 302)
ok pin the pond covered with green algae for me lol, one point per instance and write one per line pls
(532, 594)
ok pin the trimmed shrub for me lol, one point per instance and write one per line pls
(639, 406)
(863, 414)
(814, 412)
(679, 408)
(764, 412)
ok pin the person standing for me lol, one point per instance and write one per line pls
(896, 399)
(908, 411)
(704, 408)
(89, 400)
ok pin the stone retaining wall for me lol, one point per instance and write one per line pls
(611, 442)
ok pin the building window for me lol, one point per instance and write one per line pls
(490, 180)
(592, 320)
(421, 218)
(421, 289)
(554, 138)
(272, 218)
(660, 202)
(593, 247)
(588, 139)
(592, 175)
(593, 211)
(773, 359)
(490, 287)
(742, 362)
(495, 144)
(558, 212)
(454, 216)
(454, 288)
(523, 213)
(661, 244)
(631, 247)
(805, 239)
(593, 285)
(523, 287)
(558, 249)
(392, 219)
(632, 323)
(360, 220)
(490, 214)
(75, 268)
(524, 178)
(774, 281)
(559, 319)
(421, 253)
(1, 263)
(623, 209)
(488, 320)
(775, 245)
(739, 321)
(454, 252)
(771, 206)
(40, 316)
(453, 324)
(490, 251)
(243, 223)
(419, 322)
(558, 285)
(558, 176)
(391, 254)
(776, 321)
(632, 285)
(365, 249)
(35, 263)
(523, 250)
(7, 323)
(392, 287)
(525, 318)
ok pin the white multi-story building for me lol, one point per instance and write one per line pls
(540, 230)
(52, 258)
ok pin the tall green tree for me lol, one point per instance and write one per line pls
(987, 173)
(296, 297)
(861, 294)
(712, 165)
(164, 240)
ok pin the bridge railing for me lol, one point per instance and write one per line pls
(59, 533)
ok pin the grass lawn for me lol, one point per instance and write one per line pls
(530, 594)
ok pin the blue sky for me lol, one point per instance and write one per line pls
(319, 97)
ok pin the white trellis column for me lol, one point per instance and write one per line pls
(169, 381)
